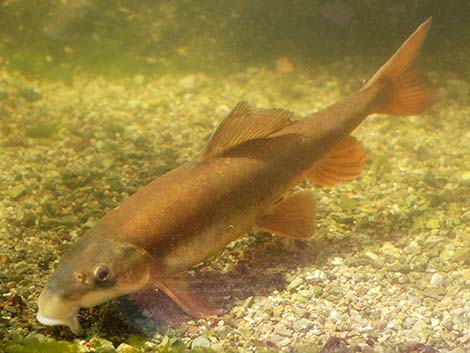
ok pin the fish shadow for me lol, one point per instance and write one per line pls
(259, 270)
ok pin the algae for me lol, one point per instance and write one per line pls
(40, 344)
(36, 345)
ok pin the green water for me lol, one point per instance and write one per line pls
(59, 37)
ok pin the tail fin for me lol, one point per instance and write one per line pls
(407, 90)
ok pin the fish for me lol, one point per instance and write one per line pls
(243, 180)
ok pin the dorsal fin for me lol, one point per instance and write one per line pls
(343, 163)
(245, 123)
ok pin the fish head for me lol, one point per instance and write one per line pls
(94, 270)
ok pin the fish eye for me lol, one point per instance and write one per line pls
(102, 273)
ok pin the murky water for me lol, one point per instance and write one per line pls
(99, 98)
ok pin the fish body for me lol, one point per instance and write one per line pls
(242, 181)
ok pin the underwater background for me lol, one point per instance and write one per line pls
(99, 97)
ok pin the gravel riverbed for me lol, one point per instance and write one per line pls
(388, 270)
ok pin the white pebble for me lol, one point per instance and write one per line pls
(437, 280)
(337, 261)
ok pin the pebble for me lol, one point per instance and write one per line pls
(301, 325)
(295, 283)
(222, 110)
(373, 259)
(362, 290)
(390, 249)
(437, 280)
(279, 340)
(318, 275)
(192, 330)
(413, 248)
(337, 261)
(399, 267)
(201, 341)
(465, 178)
(409, 322)
(17, 191)
(102, 346)
(266, 328)
(125, 348)
(448, 252)
(282, 331)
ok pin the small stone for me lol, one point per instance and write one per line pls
(399, 267)
(317, 292)
(222, 110)
(17, 191)
(35, 337)
(279, 340)
(295, 283)
(282, 331)
(277, 311)
(102, 346)
(318, 275)
(378, 348)
(247, 302)
(266, 328)
(409, 322)
(301, 325)
(466, 275)
(337, 261)
(465, 178)
(165, 341)
(448, 252)
(378, 324)
(307, 294)
(390, 249)
(125, 348)
(413, 248)
(432, 224)
(437, 280)
(372, 256)
(201, 341)
(193, 330)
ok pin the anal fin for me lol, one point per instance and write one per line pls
(341, 164)
(293, 217)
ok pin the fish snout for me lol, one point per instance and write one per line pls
(56, 310)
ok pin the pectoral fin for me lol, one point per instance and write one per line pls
(192, 303)
(293, 217)
(343, 163)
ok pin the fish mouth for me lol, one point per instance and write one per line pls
(54, 310)
(71, 321)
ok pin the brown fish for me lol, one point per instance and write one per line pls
(242, 181)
